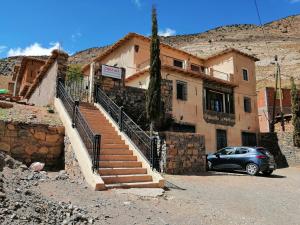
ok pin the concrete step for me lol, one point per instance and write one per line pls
(118, 158)
(112, 141)
(115, 152)
(119, 164)
(133, 185)
(114, 146)
(122, 171)
(113, 179)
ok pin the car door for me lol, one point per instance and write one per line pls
(223, 158)
(239, 158)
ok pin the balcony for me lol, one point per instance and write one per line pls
(221, 118)
(186, 66)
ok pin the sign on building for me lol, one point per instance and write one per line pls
(111, 71)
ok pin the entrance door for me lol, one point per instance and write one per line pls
(221, 139)
(249, 139)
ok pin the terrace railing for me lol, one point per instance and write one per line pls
(91, 140)
(146, 144)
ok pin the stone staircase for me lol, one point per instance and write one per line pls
(119, 167)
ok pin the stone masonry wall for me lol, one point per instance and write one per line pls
(32, 142)
(134, 100)
(280, 144)
(183, 153)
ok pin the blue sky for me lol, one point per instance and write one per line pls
(37, 26)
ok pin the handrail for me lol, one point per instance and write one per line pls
(91, 140)
(140, 138)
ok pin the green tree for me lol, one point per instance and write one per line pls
(74, 73)
(295, 113)
(153, 103)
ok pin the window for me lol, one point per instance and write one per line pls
(136, 48)
(249, 139)
(219, 102)
(221, 139)
(195, 68)
(247, 104)
(181, 88)
(241, 151)
(245, 74)
(226, 151)
(178, 63)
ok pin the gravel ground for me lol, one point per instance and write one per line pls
(28, 114)
(208, 198)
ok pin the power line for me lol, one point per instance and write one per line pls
(261, 25)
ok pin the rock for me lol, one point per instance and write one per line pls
(37, 166)
(2, 195)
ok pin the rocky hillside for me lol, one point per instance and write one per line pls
(281, 37)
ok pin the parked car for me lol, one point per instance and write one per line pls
(250, 159)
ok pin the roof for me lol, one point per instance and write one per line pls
(128, 37)
(229, 50)
(185, 72)
(43, 71)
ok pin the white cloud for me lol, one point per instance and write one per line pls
(76, 36)
(137, 3)
(33, 49)
(294, 1)
(167, 32)
(2, 48)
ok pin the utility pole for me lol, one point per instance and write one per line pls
(277, 78)
(280, 96)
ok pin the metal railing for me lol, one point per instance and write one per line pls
(91, 140)
(169, 61)
(146, 144)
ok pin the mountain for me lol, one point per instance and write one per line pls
(280, 37)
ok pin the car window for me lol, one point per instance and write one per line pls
(242, 151)
(226, 151)
(263, 151)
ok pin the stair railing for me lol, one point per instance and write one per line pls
(91, 140)
(146, 144)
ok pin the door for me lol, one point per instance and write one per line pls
(240, 158)
(249, 139)
(221, 139)
(223, 158)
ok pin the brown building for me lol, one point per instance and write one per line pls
(265, 102)
(24, 75)
(214, 96)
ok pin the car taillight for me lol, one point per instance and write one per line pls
(261, 157)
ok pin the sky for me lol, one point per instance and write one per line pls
(36, 27)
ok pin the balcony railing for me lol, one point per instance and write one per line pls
(169, 61)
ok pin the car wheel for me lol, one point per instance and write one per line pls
(209, 165)
(252, 169)
(267, 173)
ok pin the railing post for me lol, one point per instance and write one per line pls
(121, 118)
(152, 152)
(96, 152)
(58, 82)
(96, 86)
(76, 104)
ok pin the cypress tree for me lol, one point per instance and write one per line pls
(153, 103)
(295, 113)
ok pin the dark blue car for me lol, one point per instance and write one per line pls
(250, 159)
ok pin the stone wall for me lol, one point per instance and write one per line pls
(71, 163)
(32, 142)
(134, 100)
(182, 153)
(280, 144)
